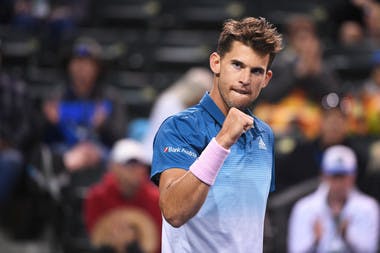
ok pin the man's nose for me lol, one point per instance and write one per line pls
(245, 77)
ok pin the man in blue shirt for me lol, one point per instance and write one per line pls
(214, 162)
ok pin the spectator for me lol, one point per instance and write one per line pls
(81, 121)
(52, 23)
(185, 92)
(363, 12)
(304, 161)
(371, 17)
(336, 217)
(363, 102)
(300, 66)
(341, 11)
(122, 210)
(351, 35)
(17, 115)
(372, 84)
(38, 15)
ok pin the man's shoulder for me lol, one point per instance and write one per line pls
(189, 127)
(310, 202)
(190, 113)
(190, 117)
(364, 201)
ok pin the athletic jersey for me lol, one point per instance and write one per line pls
(232, 216)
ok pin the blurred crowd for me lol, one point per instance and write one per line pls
(75, 159)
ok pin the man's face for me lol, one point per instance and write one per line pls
(130, 176)
(333, 128)
(239, 76)
(84, 72)
(340, 185)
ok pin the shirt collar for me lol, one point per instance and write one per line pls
(209, 105)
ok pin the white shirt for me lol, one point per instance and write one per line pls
(360, 210)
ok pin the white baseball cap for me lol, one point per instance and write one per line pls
(126, 150)
(339, 160)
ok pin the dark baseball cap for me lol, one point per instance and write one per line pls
(87, 47)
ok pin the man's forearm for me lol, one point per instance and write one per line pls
(182, 198)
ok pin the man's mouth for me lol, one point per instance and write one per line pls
(242, 92)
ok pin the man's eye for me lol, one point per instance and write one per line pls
(257, 71)
(236, 65)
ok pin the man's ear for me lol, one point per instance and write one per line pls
(268, 76)
(215, 63)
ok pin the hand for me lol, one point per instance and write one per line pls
(318, 230)
(343, 226)
(235, 124)
(50, 109)
(99, 117)
(82, 155)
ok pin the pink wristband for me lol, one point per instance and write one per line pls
(208, 164)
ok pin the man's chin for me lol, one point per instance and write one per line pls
(241, 107)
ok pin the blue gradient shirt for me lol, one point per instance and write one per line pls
(232, 217)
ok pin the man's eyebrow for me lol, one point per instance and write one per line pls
(238, 62)
(260, 69)
(253, 69)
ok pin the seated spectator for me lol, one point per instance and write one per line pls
(363, 103)
(351, 34)
(44, 15)
(371, 17)
(185, 92)
(336, 217)
(122, 211)
(82, 123)
(11, 157)
(364, 12)
(303, 161)
(17, 116)
(300, 66)
(52, 25)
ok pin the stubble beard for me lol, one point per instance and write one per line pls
(229, 104)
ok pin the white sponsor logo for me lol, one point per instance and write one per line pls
(180, 150)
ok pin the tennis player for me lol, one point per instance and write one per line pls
(214, 162)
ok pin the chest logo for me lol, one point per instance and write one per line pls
(262, 144)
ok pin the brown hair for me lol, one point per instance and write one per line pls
(257, 33)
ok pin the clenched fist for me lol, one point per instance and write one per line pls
(235, 124)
